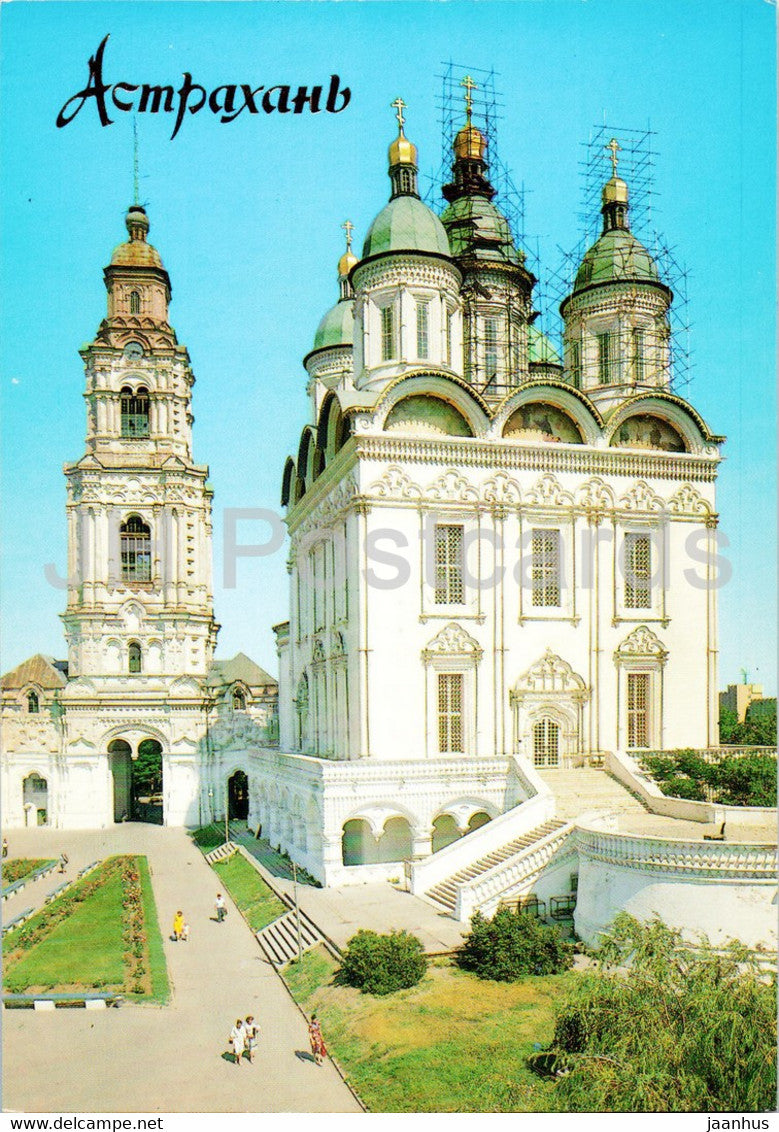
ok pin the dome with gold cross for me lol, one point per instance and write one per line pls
(136, 252)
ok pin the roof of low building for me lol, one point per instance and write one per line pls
(240, 668)
(42, 670)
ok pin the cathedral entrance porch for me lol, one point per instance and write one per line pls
(137, 781)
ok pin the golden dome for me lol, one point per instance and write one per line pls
(346, 263)
(615, 191)
(470, 143)
(402, 151)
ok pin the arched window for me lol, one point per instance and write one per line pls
(33, 705)
(133, 657)
(135, 412)
(239, 700)
(136, 550)
(135, 303)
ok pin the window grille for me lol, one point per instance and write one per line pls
(450, 712)
(135, 538)
(604, 358)
(639, 346)
(133, 657)
(638, 709)
(423, 346)
(135, 413)
(546, 743)
(576, 365)
(449, 331)
(490, 347)
(638, 571)
(449, 588)
(33, 704)
(387, 333)
(545, 567)
(135, 303)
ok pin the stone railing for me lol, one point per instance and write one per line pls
(504, 880)
(719, 860)
(627, 771)
(540, 807)
(712, 754)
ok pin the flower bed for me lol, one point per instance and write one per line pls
(18, 867)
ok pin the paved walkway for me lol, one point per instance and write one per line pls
(340, 912)
(166, 1059)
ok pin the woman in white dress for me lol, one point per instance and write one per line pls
(238, 1040)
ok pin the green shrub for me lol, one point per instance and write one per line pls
(381, 964)
(513, 944)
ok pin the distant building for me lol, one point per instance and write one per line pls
(738, 698)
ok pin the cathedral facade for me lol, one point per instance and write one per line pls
(501, 557)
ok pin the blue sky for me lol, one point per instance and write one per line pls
(247, 218)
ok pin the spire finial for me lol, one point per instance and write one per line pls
(400, 106)
(470, 86)
(348, 227)
(135, 162)
(615, 147)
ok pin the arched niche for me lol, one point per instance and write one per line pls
(426, 415)
(538, 422)
(648, 431)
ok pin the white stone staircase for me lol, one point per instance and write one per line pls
(445, 892)
(279, 940)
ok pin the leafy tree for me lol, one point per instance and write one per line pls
(660, 1026)
(147, 769)
(746, 780)
(511, 945)
(381, 964)
(755, 731)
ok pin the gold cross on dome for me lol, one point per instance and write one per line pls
(348, 227)
(400, 106)
(470, 86)
(614, 146)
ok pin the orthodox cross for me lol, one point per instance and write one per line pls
(400, 106)
(614, 146)
(470, 86)
(347, 227)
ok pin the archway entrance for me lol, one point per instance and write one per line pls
(238, 796)
(122, 774)
(147, 783)
(35, 797)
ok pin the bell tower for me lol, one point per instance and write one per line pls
(140, 598)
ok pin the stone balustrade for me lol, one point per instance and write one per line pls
(711, 859)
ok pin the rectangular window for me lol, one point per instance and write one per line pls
(638, 709)
(638, 571)
(576, 365)
(423, 347)
(604, 358)
(450, 712)
(545, 568)
(639, 346)
(387, 333)
(449, 589)
(490, 347)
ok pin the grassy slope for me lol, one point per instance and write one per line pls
(83, 950)
(258, 903)
(209, 837)
(454, 1043)
(159, 971)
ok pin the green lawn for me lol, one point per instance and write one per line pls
(454, 1043)
(160, 987)
(17, 867)
(256, 900)
(209, 837)
(83, 950)
(79, 941)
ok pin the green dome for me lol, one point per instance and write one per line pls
(616, 256)
(337, 326)
(539, 349)
(406, 225)
(477, 227)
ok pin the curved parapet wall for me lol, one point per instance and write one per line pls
(724, 890)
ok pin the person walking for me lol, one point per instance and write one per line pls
(63, 862)
(5, 847)
(318, 1047)
(221, 908)
(178, 925)
(238, 1040)
(252, 1034)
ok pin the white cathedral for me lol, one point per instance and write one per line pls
(501, 561)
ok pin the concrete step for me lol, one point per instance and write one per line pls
(279, 940)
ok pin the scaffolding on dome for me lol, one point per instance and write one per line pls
(635, 166)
